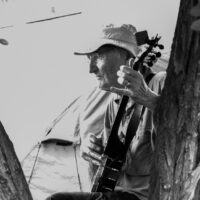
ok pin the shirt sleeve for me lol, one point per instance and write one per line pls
(157, 82)
(157, 85)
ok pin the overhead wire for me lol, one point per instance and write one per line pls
(44, 20)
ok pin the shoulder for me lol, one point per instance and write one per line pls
(160, 76)
(158, 81)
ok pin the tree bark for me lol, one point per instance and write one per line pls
(13, 185)
(176, 171)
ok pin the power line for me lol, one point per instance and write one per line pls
(47, 19)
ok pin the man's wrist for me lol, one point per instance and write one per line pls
(151, 100)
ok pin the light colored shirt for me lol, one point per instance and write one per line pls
(135, 174)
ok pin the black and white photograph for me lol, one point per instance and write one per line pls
(100, 100)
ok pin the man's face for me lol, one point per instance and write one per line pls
(105, 63)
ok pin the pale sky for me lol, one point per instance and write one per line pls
(39, 73)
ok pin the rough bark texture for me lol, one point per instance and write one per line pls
(177, 170)
(13, 185)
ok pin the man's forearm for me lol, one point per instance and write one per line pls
(149, 99)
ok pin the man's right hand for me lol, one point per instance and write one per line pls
(91, 149)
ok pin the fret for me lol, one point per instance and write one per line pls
(111, 179)
(106, 189)
(108, 183)
(111, 169)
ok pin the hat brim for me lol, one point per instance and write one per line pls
(94, 46)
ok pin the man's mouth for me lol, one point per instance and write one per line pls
(99, 77)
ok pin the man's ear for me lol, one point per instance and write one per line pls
(130, 62)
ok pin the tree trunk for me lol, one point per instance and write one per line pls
(13, 185)
(176, 170)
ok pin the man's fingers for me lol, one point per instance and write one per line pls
(127, 70)
(95, 147)
(123, 81)
(95, 144)
(121, 91)
(91, 157)
(95, 156)
(95, 162)
(91, 149)
(126, 76)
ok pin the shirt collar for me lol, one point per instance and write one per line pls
(116, 98)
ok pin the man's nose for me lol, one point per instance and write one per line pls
(93, 67)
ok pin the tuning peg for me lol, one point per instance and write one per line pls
(150, 64)
(158, 54)
(160, 46)
(152, 57)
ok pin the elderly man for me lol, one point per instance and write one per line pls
(110, 58)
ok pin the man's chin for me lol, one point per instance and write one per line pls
(104, 87)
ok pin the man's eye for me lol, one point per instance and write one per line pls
(94, 56)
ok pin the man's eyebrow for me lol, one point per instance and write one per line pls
(89, 55)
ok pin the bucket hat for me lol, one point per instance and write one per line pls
(122, 36)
